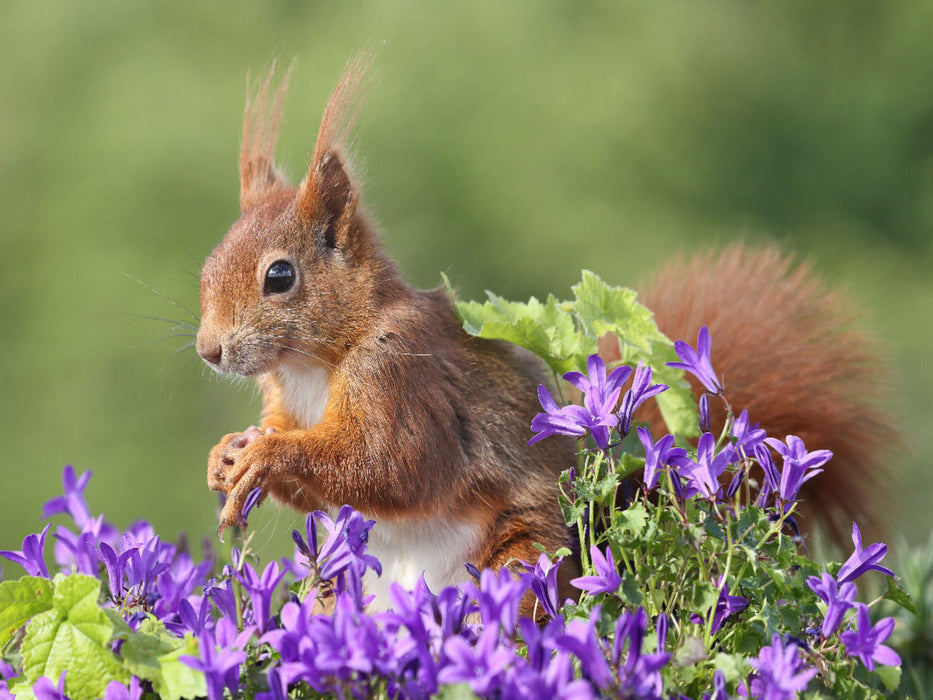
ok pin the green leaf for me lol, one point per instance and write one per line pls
(179, 680)
(889, 675)
(142, 649)
(546, 329)
(900, 596)
(152, 653)
(73, 635)
(733, 666)
(20, 601)
(460, 691)
(705, 596)
(22, 690)
(601, 308)
(633, 519)
(629, 591)
(691, 652)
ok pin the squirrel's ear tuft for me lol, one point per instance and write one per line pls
(328, 192)
(261, 118)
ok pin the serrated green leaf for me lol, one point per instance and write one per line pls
(633, 519)
(705, 596)
(603, 308)
(629, 591)
(74, 636)
(142, 650)
(20, 601)
(22, 690)
(900, 596)
(179, 680)
(545, 329)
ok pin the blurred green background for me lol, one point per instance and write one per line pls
(508, 144)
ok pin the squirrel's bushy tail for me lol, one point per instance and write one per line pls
(787, 351)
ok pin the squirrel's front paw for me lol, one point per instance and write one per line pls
(223, 468)
(251, 467)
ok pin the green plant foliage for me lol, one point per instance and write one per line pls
(564, 335)
(20, 601)
(73, 635)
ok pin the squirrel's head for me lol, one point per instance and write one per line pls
(297, 276)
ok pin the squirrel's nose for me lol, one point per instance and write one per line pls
(210, 349)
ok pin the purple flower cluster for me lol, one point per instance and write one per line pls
(601, 412)
(327, 641)
(301, 626)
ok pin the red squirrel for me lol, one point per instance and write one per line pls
(374, 396)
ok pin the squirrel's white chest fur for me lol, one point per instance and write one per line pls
(304, 390)
(437, 546)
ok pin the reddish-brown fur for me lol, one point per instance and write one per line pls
(788, 353)
(420, 420)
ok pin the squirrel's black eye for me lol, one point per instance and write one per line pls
(280, 277)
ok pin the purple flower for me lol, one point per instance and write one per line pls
(719, 687)
(657, 455)
(116, 568)
(641, 390)
(862, 560)
(698, 362)
(73, 502)
(865, 641)
(639, 676)
(779, 672)
(549, 671)
(309, 548)
(347, 645)
(737, 480)
(726, 605)
(220, 665)
(252, 500)
(32, 556)
(223, 596)
(45, 689)
(346, 546)
(118, 691)
(144, 564)
(600, 394)
(799, 465)
(569, 420)
(497, 596)
(606, 580)
(747, 437)
(77, 550)
(278, 689)
(838, 600)
(481, 665)
(179, 583)
(703, 408)
(580, 639)
(703, 474)
(189, 619)
(542, 578)
(260, 591)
